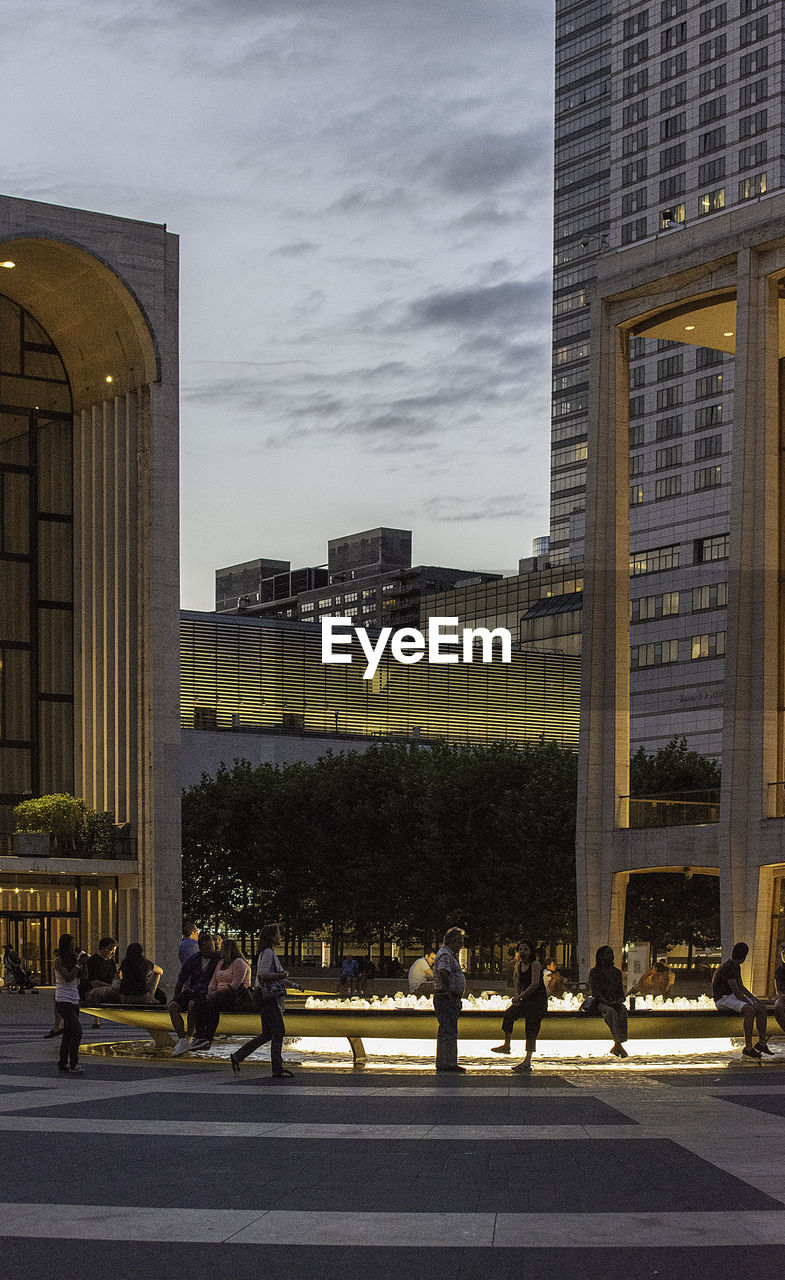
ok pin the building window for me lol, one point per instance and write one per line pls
(632, 231)
(709, 416)
(708, 81)
(751, 187)
(636, 436)
(751, 63)
(675, 213)
(749, 94)
(634, 172)
(672, 37)
(636, 464)
(673, 186)
(670, 367)
(714, 140)
(751, 157)
(635, 53)
(715, 109)
(636, 112)
(638, 375)
(673, 157)
(636, 495)
(749, 32)
(711, 171)
(666, 428)
(670, 457)
(712, 596)
(350, 598)
(636, 25)
(647, 608)
(307, 607)
(749, 126)
(667, 487)
(708, 447)
(672, 67)
(672, 126)
(705, 357)
(672, 9)
(632, 142)
(638, 82)
(710, 50)
(710, 19)
(633, 201)
(637, 406)
(667, 397)
(714, 548)
(658, 654)
(654, 560)
(707, 478)
(673, 97)
(711, 385)
(711, 201)
(637, 348)
(708, 646)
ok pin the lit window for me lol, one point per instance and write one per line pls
(711, 201)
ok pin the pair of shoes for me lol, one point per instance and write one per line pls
(182, 1046)
(751, 1053)
(521, 1067)
(50, 1035)
(201, 1044)
(283, 1075)
(235, 1064)
(762, 1047)
(500, 1048)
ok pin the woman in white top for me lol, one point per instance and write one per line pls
(70, 968)
(269, 994)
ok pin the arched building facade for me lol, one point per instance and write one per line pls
(89, 570)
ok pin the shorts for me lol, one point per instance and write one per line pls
(731, 1004)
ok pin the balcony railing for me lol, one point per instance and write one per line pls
(674, 809)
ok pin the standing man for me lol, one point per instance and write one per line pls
(190, 943)
(450, 983)
(731, 996)
(421, 982)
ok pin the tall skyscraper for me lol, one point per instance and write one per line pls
(668, 113)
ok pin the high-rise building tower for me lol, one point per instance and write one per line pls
(668, 113)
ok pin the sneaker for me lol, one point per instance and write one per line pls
(201, 1044)
(521, 1067)
(751, 1053)
(500, 1048)
(764, 1048)
(283, 1075)
(76, 1071)
(182, 1046)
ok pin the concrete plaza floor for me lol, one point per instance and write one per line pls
(145, 1170)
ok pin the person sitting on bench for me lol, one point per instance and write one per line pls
(731, 996)
(192, 985)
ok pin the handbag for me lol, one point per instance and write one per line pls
(589, 1005)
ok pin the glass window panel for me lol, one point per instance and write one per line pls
(54, 467)
(14, 437)
(14, 513)
(56, 756)
(16, 771)
(14, 695)
(14, 593)
(55, 650)
(43, 364)
(55, 574)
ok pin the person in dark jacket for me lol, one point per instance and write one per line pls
(192, 983)
(607, 987)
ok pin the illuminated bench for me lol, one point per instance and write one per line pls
(357, 1025)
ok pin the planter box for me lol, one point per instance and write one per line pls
(32, 844)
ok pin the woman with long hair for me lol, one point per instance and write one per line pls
(139, 976)
(529, 1001)
(607, 985)
(269, 994)
(231, 974)
(70, 967)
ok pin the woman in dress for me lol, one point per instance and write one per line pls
(529, 1001)
(70, 967)
(269, 994)
(607, 986)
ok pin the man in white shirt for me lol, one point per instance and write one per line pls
(421, 974)
(450, 983)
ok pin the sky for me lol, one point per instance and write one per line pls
(363, 191)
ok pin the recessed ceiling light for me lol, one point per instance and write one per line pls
(689, 326)
(728, 333)
(8, 263)
(109, 378)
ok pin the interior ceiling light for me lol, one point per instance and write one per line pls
(728, 333)
(8, 264)
(109, 378)
(689, 326)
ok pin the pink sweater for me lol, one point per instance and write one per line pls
(237, 975)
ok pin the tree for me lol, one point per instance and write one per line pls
(665, 908)
(673, 768)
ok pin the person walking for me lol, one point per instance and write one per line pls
(607, 987)
(70, 967)
(529, 1001)
(270, 996)
(450, 984)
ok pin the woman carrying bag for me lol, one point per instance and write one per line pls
(269, 994)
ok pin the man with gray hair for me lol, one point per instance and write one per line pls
(450, 985)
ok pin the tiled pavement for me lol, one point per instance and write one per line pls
(149, 1170)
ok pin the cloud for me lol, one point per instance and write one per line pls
(294, 250)
(486, 161)
(463, 509)
(510, 303)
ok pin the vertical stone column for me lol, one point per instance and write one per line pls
(752, 669)
(605, 668)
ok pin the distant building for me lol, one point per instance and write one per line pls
(368, 577)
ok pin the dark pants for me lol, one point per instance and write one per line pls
(208, 1010)
(447, 1009)
(532, 1012)
(272, 1029)
(616, 1019)
(72, 1032)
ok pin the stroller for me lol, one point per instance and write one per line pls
(16, 976)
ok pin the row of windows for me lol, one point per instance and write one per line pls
(708, 202)
(658, 559)
(668, 397)
(667, 428)
(664, 459)
(670, 486)
(708, 51)
(663, 652)
(712, 595)
(677, 35)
